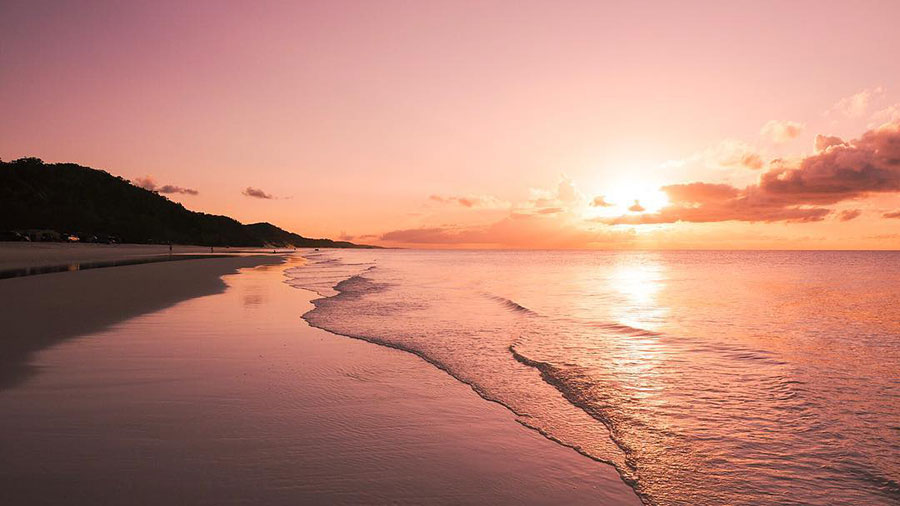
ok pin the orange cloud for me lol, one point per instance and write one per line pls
(870, 164)
(792, 192)
(857, 104)
(548, 218)
(781, 131)
(849, 214)
(889, 114)
(701, 192)
(148, 183)
(471, 201)
(824, 142)
(892, 214)
(600, 201)
(515, 231)
(705, 202)
(565, 195)
(256, 193)
(731, 153)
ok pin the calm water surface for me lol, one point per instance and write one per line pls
(704, 377)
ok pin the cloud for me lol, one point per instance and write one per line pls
(849, 214)
(892, 214)
(732, 153)
(637, 207)
(167, 188)
(726, 154)
(856, 105)
(701, 192)
(870, 164)
(705, 202)
(751, 161)
(566, 191)
(431, 235)
(600, 201)
(548, 218)
(781, 131)
(471, 201)
(791, 191)
(514, 231)
(889, 114)
(565, 196)
(256, 193)
(148, 183)
(824, 142)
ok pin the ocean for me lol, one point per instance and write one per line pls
(704, 377)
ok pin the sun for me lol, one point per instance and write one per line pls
(635, 197)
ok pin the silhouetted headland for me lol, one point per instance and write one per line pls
(65, 201)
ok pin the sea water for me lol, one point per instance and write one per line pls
(704, 377)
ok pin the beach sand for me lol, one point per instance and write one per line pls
(17, 255)
(38, 311)
(167, 384)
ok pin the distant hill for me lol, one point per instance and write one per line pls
(90, 203)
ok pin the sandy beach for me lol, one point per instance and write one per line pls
(17, 255)
(449, 253)
(47, 309)
(191, 383)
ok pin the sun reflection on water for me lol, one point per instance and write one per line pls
(639, 280)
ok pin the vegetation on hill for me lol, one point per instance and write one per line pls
(90, 203)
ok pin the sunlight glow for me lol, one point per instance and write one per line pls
(625, 196)
(639, 282)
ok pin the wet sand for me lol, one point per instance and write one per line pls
(189, 388)
(39, 311)
(17, 255)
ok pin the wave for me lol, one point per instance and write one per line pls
(354, 288)
(358, 286)
(679, 413)
(511, 304)
(554, 377)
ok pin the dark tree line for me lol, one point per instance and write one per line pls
(69, 198)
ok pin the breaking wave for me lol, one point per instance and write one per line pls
(692, 419)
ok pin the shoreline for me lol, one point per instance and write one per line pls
(21, 255)
(520, 417)
(249, 401)
(38, 255)
(102, 264)
(47, 309)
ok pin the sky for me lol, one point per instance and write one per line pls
(457, 124)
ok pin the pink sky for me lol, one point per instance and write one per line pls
(478, 124)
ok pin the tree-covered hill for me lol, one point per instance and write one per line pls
(72, 199)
